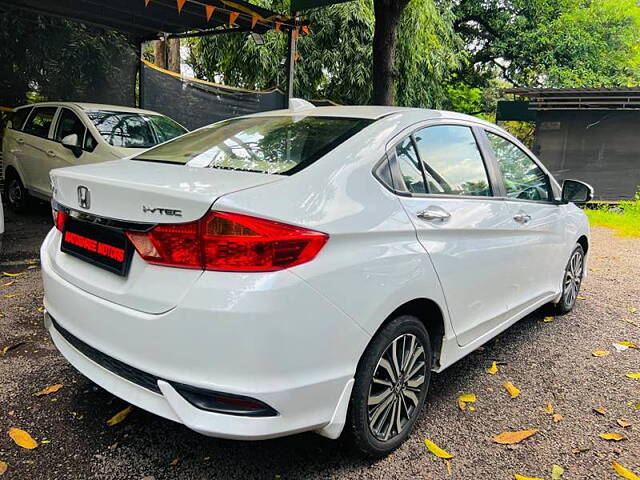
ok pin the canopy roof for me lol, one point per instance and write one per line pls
(615, 98)
(146, 20)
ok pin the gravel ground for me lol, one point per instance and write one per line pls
(549, 362)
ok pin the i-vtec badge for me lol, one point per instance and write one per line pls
(170, 212)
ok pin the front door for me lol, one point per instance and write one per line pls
(462, 225)
(539, 222)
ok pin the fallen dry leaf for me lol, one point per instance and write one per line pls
(633, 375)
(49, 389)
(464, 399)
(436, 450)
(633, 309)
(174, 462)
(600, 353)
(627, 343)
(557, 418)
(40, 309)
(510, 438)
(548, 409)
(512, 389)
(11, 295)
(120, 416)
(580, 297)
(3, 467)
(615, 437)
(6, 284)
(556, 472)
(7, 274)
(623, 472)
(449, 467)
(600, 410)
(623, 423)
(581, 449)
(22, 438)
(522, 477)
(493, 369)
(548, 319)
(8, 348)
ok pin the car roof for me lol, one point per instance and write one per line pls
(91, 106)
(374, 112)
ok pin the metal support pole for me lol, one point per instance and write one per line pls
(291, 62)
(141, 76)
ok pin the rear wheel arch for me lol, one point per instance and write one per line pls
(431, 316)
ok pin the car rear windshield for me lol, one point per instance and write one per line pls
(277, 145)
(134, 130)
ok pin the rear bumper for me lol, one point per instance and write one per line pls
(292, 350)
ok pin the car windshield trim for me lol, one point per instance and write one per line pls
(336, 129)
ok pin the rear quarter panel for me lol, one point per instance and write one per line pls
(372, 262)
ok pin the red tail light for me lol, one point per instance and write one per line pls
(229, 242)
(59, 217)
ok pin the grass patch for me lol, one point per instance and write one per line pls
(623, 218)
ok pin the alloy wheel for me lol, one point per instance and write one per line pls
(396, 387)
(573, 278)
(14, 192)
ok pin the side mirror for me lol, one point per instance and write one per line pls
(71, 142)
(576, 192)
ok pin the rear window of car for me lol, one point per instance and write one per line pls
(18, 117)
(134, 130)
(277, 145)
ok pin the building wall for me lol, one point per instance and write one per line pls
(601, 148)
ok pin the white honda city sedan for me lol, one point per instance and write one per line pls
(305, 270)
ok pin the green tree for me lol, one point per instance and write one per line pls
(55, 59)
(336, 59)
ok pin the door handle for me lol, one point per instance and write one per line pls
(51, 153)
(522, 217)
(433, 214)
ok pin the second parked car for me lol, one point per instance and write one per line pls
(44, 136)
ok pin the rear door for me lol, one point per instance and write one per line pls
(540, 228)
(37, 154)
(461, 221)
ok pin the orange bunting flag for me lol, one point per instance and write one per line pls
(305, 30)
(147, 2)
(209, 10)
(180, 4)
(278, 25)
(233, 16)
(254, 20)
(297, 57)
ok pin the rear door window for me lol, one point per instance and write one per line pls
(452, 161)
(277, 145)
(19, 116)
(40, 121)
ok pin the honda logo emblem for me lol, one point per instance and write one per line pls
(84, 198)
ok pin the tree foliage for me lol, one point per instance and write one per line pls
(57, 59)
(335, 60)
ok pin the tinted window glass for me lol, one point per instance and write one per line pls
(279, 145)
(452, 161)
(90, 143)
(40, 121)
(410, 166)
(18, 117)
(69, 124)
(522, 177)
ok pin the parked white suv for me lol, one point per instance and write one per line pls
(307, 270)
(44, 136)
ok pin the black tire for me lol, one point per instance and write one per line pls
(404, 328)
(571, 282)
(17, 197)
